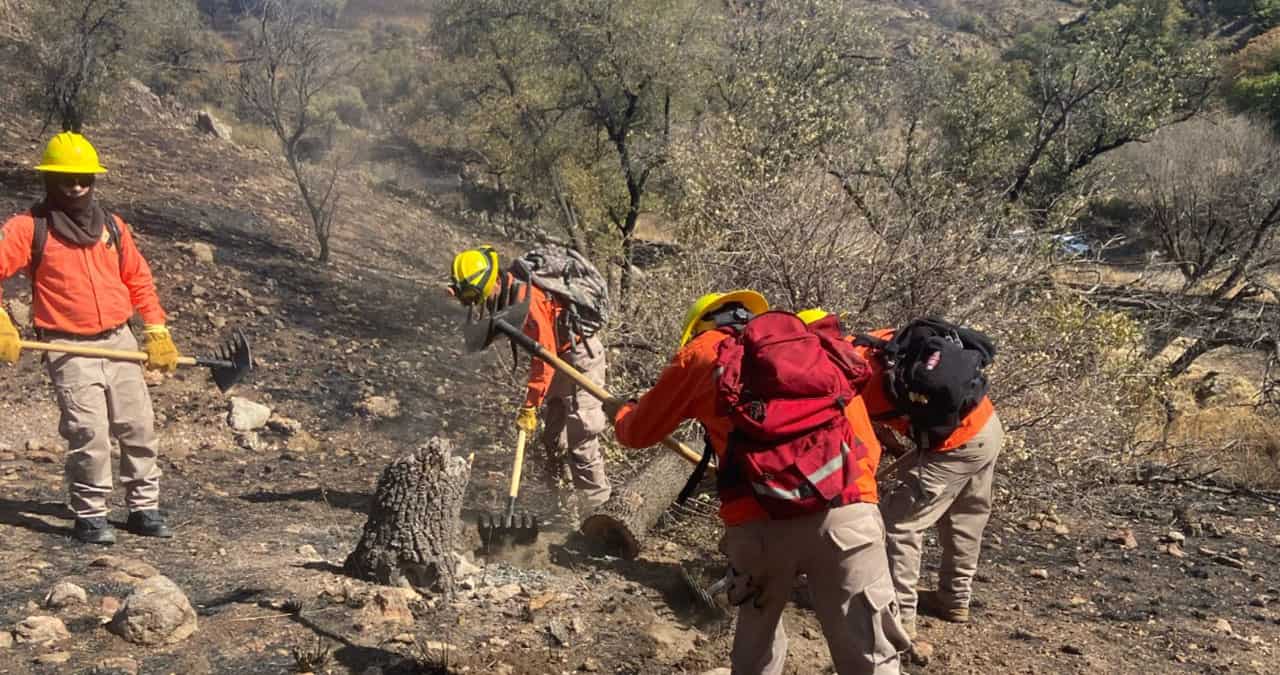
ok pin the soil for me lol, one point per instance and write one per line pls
(262, 533)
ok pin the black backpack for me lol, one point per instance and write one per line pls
(934, 374)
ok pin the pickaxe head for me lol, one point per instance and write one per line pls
(231, 362)
(510, 305)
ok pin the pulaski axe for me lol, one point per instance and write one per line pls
(504, 314)
(232, 361)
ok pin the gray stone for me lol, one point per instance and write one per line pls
(156, 613)
(246, 415)
(206, 122)
(63, 594)
(201, 251)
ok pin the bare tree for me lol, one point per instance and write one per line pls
(289, 64)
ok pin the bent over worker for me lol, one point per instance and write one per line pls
(840, 548)
(88, 278)
(573, 418)
(949, 485)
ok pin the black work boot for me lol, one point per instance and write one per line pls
(148, 523)
(95, 531)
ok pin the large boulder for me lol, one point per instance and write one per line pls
(63, 594)
(156, 613)
(206, 122)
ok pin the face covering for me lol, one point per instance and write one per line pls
(79, 220)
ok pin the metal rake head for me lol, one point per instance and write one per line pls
(509, 305)
(231, 362)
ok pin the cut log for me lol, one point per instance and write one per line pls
(410, 536)
(620, 524)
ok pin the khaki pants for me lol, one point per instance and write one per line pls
(842, 553)
(98, 399)
(573, 419)
(952, 489)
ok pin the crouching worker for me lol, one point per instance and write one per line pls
(87, 279)
(568, 305)
(927, 384)
(796, 461)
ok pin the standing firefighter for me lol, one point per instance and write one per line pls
(87, 279)
(568, 306)
(796, 461)
(927, 384)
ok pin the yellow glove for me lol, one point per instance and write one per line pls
(10, 345)
(527, 420)
(162, 354)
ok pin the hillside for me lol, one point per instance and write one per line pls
(1110, 577)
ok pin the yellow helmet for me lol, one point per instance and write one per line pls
(696, 320)
(475, 273)
(69, 152)
(812, 314)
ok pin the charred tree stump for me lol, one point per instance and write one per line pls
(620, 524)
(410, 535)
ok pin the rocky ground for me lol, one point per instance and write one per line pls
(360, 362)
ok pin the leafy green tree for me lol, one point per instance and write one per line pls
(573, 101)
(1254, 77)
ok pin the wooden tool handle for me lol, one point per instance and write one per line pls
(583, 381)
(97, 352)
(902, 460)
(521, 437)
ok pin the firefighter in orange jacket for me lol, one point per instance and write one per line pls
(572, 418)
(949, 485)
(841, 549)
(89, 280)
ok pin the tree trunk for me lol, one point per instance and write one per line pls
(410, 536)
(620, 525)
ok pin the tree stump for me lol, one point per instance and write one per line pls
(620, 524)
(410, 535)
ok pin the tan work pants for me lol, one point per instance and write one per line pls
(573, 419)
(952, 489)
(842, 553)
(98, 399)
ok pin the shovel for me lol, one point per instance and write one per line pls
(508, 527)
(505, 314)
(231, 363)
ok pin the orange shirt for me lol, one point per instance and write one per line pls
(687, 390)
(81, 290)
(882, 409)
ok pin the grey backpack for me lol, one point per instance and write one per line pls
(571, 278)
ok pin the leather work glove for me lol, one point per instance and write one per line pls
(162, 354)
(10, 341)
(527, 419)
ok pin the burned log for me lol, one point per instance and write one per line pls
(411, 533)
(620, 524)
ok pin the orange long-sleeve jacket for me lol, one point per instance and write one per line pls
(882, 409)
(83, 290)
(544, 316)
(686, 389)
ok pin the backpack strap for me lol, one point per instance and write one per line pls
(40, 238)
(698, 471)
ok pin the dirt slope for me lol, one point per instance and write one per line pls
(265, 529)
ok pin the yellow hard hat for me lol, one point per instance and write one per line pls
(812, 314)
(69, 152)
(695, 320)
(475, 273)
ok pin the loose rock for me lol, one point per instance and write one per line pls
(201, 251)
(53, 658)
(1039, 573)
(118, 664)
(379, 406)
(1223, 626)
(40, 629)
(65, 593)
(156, 613)
(386, 606)
(246, 415)
(130, 569)
(206, 122)
(6, 639)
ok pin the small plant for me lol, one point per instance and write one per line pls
(312, 658)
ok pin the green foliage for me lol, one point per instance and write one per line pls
(1254, 77)
(82, 49)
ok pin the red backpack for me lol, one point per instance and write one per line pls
(784, 385)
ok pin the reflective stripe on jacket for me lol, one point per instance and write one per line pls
(83, 290)
(686, 389)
